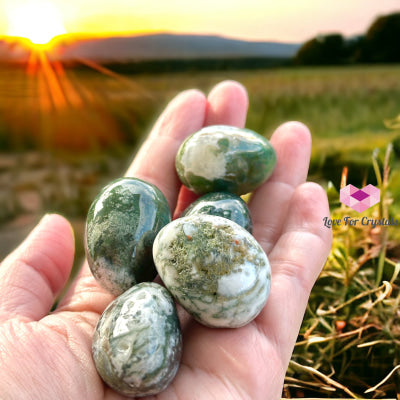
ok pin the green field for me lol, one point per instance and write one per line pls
(60, 142)
(100, 117)
(345, 107)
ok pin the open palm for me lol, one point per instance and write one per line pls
(48, 356)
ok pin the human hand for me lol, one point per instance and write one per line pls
(48, 355)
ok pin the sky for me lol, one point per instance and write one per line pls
(280, 20)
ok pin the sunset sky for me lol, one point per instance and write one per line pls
(283, 20)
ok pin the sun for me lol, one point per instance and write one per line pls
(37, 20)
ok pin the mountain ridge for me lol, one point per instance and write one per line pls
(174, 46)
(157, 46)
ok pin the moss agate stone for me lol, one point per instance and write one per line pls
(214, 268)
(137, 342)
(223, 158)
(121, 225)
(222, 204)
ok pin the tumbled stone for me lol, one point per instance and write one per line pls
(225, 158)
(137, 343)
(214, 268)
(222, 204)
(121, 225)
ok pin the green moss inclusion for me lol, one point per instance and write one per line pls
(212, 251)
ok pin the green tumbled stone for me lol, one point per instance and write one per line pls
(222, 204)
(214, 268)
(137, 342)
(222, 158)
(121, 225)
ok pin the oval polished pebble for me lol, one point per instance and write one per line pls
(121, 225)
(214, 268)
(225, 158)
(222, 204)
(137, 342)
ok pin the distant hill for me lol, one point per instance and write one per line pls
(172, 46)
(155, 47)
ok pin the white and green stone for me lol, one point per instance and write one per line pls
(214, 268)
(121, 225)
(225, 158)
(137, 342)
(222, 204)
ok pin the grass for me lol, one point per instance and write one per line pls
(60, 151)
(350, 337)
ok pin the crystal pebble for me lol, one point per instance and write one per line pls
(222, 204)
(121, 225)
(137, 343)
(214, 268)
(225, 158)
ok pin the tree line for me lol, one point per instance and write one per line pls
(380, 44)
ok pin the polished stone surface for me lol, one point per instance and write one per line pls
(214, 268)
(137, 343)
(222, 204)
(121, 225)
(225, 158)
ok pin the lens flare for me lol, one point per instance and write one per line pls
(38, 21)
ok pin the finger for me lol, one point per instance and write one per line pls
(227, 104)
(155, 161)
(296, 261)
(33, 275)
(269, 204)
(185, 198)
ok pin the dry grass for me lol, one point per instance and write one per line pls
(350, 338)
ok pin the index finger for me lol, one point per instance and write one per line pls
(155, 161)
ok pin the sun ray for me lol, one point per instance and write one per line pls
(71, 94)
(66, 105)
(118, 77)
(53, 83)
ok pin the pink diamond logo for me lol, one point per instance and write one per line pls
(360, 199)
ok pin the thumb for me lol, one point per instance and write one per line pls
(37, 270)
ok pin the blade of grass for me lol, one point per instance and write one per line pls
(325, 378)
(386, 285)
(387, 377)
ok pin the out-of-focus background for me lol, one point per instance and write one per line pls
(81, 84)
